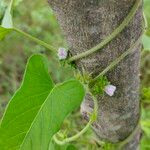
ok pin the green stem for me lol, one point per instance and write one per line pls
(47, 46)
(92, 119)
(73, 138)
(117, 60)
(111, 36)
(36, 40)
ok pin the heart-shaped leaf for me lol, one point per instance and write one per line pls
(33, 116)
(25, 104)
(63, 99)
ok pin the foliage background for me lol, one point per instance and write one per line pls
(41, 23)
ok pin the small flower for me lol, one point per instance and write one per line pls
(62, 53)
(110, 89)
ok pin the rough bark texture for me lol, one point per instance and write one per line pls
(85, 24)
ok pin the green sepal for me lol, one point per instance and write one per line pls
(98, 86)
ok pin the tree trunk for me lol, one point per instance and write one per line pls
(85, 24)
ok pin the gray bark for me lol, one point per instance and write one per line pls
(85, 24)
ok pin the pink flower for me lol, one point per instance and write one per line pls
(110, 89)
(62, 53)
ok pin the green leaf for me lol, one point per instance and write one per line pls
(144, 143)
(7, 23)
(25, 104)
(7, 20)
(63, 99)
(33, 116)
(146, 42)
(71, 147)
(146, 95)
(4, 32)
(2, 8)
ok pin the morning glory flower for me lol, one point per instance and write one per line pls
(110, 89)
(62, 53)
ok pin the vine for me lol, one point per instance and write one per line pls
(109, 38)
(86, 53)
(91, 120)
(112, 65)
(117, 60)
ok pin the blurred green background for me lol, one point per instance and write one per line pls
(41, 23)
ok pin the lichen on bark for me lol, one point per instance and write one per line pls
(85, 24)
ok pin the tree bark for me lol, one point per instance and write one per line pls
(85, 24)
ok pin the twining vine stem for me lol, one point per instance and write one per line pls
(38, 41)
(73, 138)
(117, 60)
(109, 38)
(113, 64)
(95, 111)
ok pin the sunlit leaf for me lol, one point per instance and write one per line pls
(7, 20)
(36, 112)
(25, 104)
(7, 23)
(63, 99)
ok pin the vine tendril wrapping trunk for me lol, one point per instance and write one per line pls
(85, 24)
(91, 120)
(114, 63)
(112, 35)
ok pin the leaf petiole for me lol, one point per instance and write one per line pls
(36, 40)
